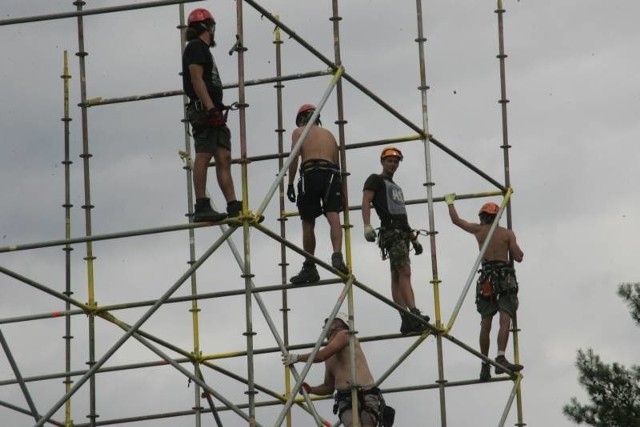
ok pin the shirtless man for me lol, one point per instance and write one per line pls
(319, 191)
(337, 376)
(497, 287)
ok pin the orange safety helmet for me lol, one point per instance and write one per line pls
(489, 208)
(305, 108)
(199, 15)
(391, 152)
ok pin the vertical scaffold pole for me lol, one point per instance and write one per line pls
(247, 275)
(277, 41)
(67, 234)
(91, 303)
(421, 40)
(507, 181)
(335, 19)
(195, 309)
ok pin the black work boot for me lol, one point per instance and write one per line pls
(513, 367)
(419, 314)
(205, 213)
(338, 263)
(485, 372)
(308, 274)
(407, 325)
(414, 325)
(234, 208)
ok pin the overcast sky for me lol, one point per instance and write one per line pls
(572, 82)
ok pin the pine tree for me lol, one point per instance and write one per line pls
(613, 389)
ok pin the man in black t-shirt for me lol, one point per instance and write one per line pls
(395, 236)
(206, 112)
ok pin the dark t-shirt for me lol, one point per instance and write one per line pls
(197, 52)
(388, 201)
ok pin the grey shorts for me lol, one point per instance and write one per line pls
(209, 139)
(506, 302)
(369, 414)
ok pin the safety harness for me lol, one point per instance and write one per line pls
(496, 278)
(383, 414)
(319, 165)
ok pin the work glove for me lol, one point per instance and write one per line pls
(289, 358)
(215, 118)
(369, 233)
(417, 247)
(449, 198)
(291, 193)
(306, 387)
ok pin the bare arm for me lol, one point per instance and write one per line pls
(327, 387)
(293, 167)
(514, 250)
(367, 198)
(196, 72)
(465, 225)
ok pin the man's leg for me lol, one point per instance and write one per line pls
(309, 235)
(223, 173)
(200, 166)
(503, 332)
(485, 335)
(404, 284)
(503, 338)
(335, 231)
(203, 210)
(309, 272)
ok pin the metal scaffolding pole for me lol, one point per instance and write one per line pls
(250, 291)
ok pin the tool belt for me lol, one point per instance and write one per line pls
(201, 119)
(389, 235)
(496, 278)
(315, 165)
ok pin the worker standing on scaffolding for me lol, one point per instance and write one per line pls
(395, 236)
(497, 287)
(337, 377)
(319, 191)
(207, 115)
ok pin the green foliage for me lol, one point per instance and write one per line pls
(630, 292)
(614, 390)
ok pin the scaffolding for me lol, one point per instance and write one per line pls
(263, 404)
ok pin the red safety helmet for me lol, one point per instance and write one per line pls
(489, 208)
(391, 152)
(199, 15)
(305, 108)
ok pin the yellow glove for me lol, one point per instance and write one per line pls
(449, 198)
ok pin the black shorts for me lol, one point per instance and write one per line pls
(319, 191)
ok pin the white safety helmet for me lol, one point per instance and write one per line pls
(343, 317)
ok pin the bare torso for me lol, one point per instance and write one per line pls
(320, 144)
(498, 248)
(340, 368)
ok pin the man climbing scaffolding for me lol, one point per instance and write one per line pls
(395, 236)
(336, 357)
(207, 115)
(319, 191)
(497, 287)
